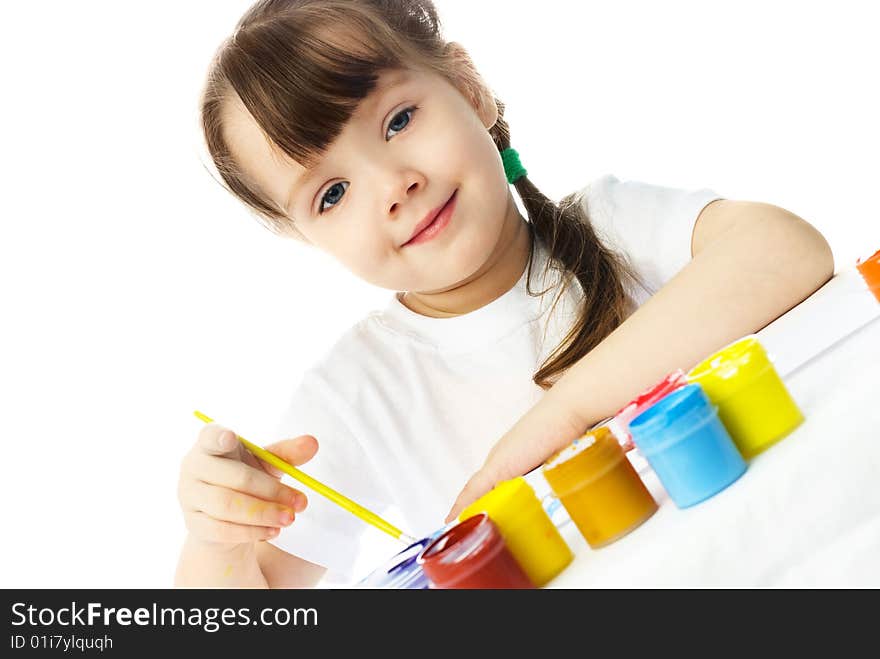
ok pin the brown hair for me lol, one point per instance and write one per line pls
(301, 68)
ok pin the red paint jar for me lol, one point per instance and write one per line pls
(619, 423)
(472, 554)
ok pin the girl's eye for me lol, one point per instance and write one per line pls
(333, 198)
(402, 113)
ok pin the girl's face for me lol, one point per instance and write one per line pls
(411, 144)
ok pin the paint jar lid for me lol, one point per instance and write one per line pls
(463, 549)
(599, 443)
(745, 359)
(584, 461)
(505, 502)
(672, 418)
(650, 396)
(619, 424)
(588, 440)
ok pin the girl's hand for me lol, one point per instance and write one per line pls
(478, 484)
(544, 429)
(229, 497)
(501, 464)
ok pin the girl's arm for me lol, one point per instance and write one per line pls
(252, 565)
(751, 263)
(211, 565)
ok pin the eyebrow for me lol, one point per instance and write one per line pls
(399, 79)
(296, 186)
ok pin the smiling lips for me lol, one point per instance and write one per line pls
(434, 222)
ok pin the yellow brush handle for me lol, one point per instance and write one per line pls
(320, 488)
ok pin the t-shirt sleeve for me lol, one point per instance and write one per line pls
(651, 225)
(324, 533)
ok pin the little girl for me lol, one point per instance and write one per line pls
(353, 126)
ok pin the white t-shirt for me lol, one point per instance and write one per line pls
(406, 407)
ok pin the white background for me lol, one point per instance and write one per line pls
(134, 289)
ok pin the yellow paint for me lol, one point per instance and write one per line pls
(228, 571)
(599, 488)
(752, 400)
(527, 530)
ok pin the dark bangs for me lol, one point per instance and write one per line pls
(301, 74)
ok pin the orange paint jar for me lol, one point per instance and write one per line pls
(869, 268)
(599, 488)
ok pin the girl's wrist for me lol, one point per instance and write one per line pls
(241, 549)
(580, 398)
(211, 564)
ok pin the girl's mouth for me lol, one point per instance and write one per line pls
(440, 222)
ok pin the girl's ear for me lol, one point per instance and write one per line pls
(470, 83)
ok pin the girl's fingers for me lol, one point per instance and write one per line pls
(214, 439)
(235, 475)
(210, 529)
(250, 459)
(231, 506)
(296, 451)
(477, 486)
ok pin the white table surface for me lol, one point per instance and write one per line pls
(807, 511)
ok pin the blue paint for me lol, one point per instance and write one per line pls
(401, 571)
(687, 446)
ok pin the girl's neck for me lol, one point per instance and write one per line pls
(498, 275)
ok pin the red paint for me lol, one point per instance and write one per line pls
(437, 225)
(472, 554)
(643, 401)
(870, 270)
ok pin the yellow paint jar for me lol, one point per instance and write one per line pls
(526, 528)
(599, 487)
(752, 400)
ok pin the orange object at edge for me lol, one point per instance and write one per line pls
(870, 271)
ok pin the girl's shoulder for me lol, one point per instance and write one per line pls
(612, 200)
(645, 208)
(598, 189)
(649, 223)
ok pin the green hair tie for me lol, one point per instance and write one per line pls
(512, 166)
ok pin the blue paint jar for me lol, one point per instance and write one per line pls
(401, 571)
(687, 446)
